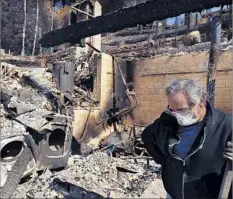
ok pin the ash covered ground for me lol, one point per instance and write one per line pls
(100, 175)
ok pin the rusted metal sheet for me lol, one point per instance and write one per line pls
(63, 73)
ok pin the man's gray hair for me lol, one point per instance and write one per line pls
(193, 90)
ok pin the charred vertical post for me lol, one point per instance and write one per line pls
(196, 21)
(156, 31)
(164, 24)
(0, 33)
(113, 83)
(187, 21)
(230, 25)
(213, 58)
(192, 22)
(97, 77)
(176, 27)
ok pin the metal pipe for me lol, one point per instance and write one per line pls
(78, 3)
(90, 45)
(83, 12)
(227, 181)
(213, 58)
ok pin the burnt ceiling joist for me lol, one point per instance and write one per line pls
(129, 17)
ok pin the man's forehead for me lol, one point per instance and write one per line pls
(177, 100)
(180, 96)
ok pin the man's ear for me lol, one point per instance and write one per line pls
(202, 102)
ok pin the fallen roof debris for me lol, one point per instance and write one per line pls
(98, 174)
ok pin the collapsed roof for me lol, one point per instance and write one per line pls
(143, 13)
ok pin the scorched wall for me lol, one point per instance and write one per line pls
(150, 77)
(85, 129)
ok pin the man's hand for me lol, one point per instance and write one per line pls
(228, 154)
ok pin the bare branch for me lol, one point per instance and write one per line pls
(24, 28)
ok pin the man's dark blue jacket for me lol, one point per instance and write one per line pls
(201, 173)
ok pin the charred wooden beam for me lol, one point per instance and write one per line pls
(145, 52)
(128, 17)
(19, 60)
(22, 63)
(213, 58)
(59, 55)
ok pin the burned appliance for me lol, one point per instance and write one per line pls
(36, 130)
(53, 142)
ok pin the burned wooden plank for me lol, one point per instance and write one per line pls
(22, 63)
(145, 51)
(19, 60)
(35, 61)
(51, 57)
(125, 18)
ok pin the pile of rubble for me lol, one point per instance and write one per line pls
(21, 102)
(30, 122)
(36, 137)
(98, 174)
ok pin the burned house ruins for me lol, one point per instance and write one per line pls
(80, 80)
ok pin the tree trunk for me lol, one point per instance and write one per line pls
(36, 30)
(51, 49)
(40, 38)
(24, 28)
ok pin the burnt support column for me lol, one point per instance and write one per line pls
(213, 58)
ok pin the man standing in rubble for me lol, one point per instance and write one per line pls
(191, 140)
